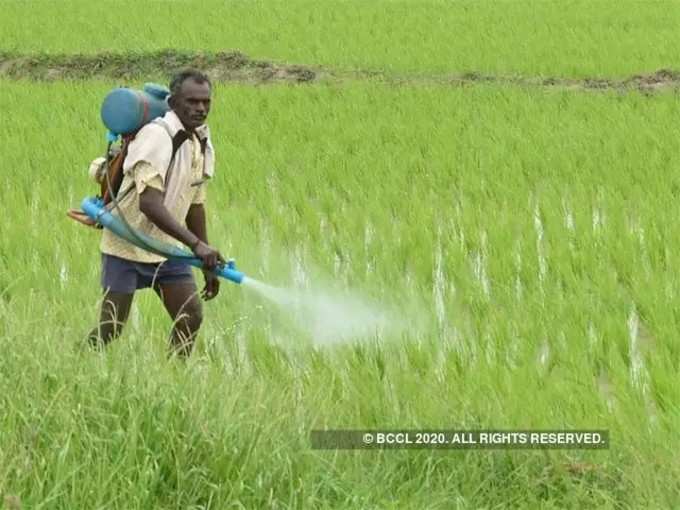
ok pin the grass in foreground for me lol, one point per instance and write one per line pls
(531, 227)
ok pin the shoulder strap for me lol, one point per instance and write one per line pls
(177, 140)
(180, 137)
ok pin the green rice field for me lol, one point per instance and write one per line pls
(546, 37)
(523, 238)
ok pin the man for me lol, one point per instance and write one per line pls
(166, 201)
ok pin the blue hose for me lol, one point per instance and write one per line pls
(95, 209)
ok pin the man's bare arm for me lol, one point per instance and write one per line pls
(196, 222)
(151, 204)
(197, 225)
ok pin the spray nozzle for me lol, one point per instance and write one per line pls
(230, 272)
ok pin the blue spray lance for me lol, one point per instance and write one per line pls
(95, 209)
(126, 111)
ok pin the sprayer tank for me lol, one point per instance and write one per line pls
(125, 110)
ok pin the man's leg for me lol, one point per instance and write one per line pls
(182, 302)
(114, 312)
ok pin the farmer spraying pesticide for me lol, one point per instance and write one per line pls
(152, 199)
(158, 202)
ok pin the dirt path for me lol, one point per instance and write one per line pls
(237, 67)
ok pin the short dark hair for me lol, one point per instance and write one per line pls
(187, 74)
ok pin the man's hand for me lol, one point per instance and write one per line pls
(208, 255)
(212, 286)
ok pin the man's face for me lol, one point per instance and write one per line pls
(192, 104)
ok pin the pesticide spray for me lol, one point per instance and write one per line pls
(326, 317)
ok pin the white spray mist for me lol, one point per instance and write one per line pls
(329, 317)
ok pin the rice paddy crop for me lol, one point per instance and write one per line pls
(564, 38)
(525, 235)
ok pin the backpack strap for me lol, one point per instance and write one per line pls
(177, 140)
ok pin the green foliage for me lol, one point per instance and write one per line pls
(525, 236)
(579, 38)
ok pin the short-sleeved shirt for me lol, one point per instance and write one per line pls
(188, 181)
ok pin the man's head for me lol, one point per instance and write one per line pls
(190, 97)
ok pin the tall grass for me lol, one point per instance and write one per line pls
(532, 37)
(527, 235)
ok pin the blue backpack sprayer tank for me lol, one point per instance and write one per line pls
(126, 110)
(123, 112)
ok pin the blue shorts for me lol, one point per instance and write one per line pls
(127, 276)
